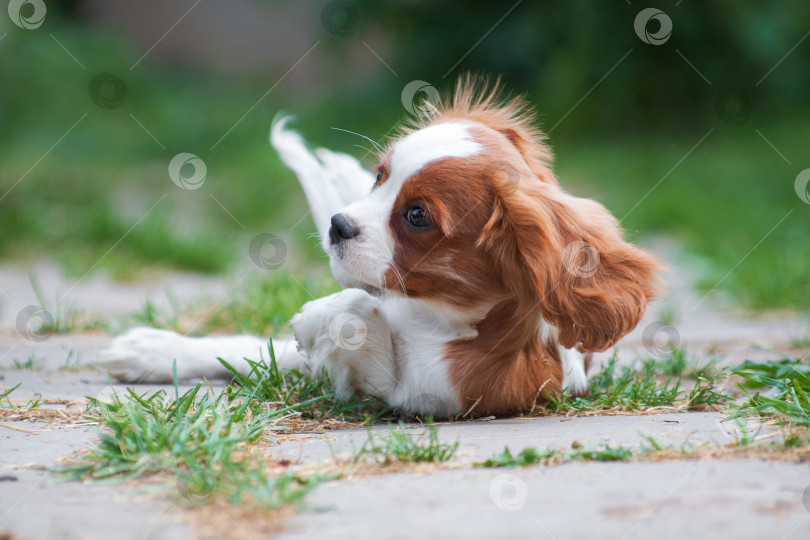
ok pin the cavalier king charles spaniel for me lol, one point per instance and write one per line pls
(474, 283)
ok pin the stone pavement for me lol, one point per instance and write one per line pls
(670, 499)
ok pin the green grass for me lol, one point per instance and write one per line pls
(528, 456)
(58, 317)
(579, 452)
(5, 393)
(399, 446)
(778, 389)
(261, 304)
(266, 303)
(203, 440)
(656, 383)
(32, 363)
(269, 387)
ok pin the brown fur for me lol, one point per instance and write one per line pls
(506, 241)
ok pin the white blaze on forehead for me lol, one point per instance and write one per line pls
(449, 139)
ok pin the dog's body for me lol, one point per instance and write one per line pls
(474, 283)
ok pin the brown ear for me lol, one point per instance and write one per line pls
(567, 257)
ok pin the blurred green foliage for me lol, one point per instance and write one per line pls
(625, 118)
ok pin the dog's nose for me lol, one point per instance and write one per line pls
(341, 229)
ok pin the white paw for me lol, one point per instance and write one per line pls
(575, 381)
(143, 355)
(329, 317)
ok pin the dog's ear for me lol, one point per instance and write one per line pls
(566, 256)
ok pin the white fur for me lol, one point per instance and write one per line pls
(575, 380)
(448, 139)
(398, 357)
(148, 355)
(369, 255)
(396, 345)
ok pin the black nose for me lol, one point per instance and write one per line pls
(341, 229)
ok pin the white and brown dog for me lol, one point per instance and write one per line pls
(475, 283)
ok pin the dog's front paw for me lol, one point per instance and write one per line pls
(340, 318)
(143, 355)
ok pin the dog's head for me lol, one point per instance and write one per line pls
(466, 211)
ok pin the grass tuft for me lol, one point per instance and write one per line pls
(656, 384)
(402, 447)
(268, 388)
(784, 391)
(544, 455)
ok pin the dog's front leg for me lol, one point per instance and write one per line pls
(347, 334)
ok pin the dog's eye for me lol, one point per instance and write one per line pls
(380, 173)
(417, 217)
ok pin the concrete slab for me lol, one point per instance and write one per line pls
(32, 505)
(677, 500)
(481, 439)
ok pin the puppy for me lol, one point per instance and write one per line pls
(475, 283)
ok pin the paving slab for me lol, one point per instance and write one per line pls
(481, 439)
(677, 500)
(33, 506)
